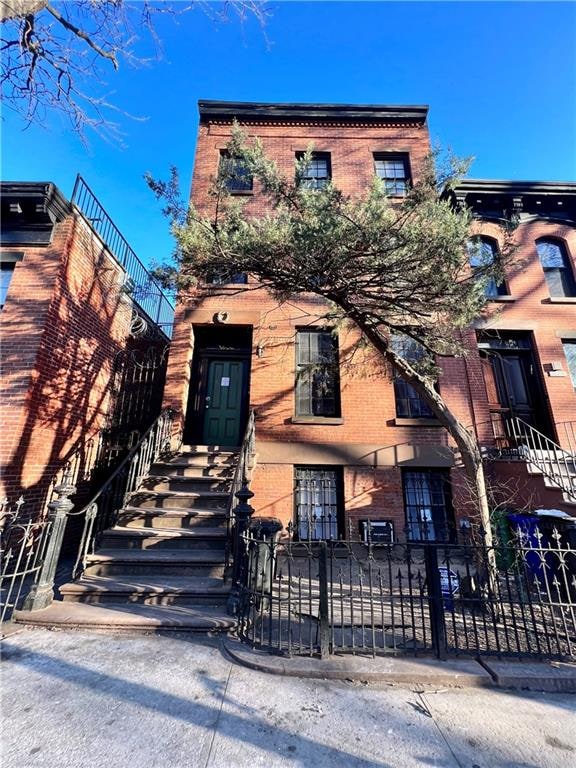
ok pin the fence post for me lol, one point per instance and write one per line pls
(242, 515)
(435, 601)
(324, 626)
(42, 593)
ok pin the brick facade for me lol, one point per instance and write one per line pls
(368, 443)
(64, 320)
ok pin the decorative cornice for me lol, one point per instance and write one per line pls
(355, 115)
(30, 210)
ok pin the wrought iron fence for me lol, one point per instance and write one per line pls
(315, 598)
(145, 290)
(23, 545)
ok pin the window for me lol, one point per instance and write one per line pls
(227, 278)
(570, 352)
(557, 269)
(317, 173)
(318, 502)
(235, 174)
(428, 505)
(6, 272)
(409, 404)
(317, 378)
(482, 254)
(393, 170)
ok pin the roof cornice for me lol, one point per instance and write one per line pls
(258, 112)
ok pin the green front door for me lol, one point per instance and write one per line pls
(223, 402)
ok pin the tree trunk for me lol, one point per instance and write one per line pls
(17, 9)
(465, 441)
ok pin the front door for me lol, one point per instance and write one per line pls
(513, 384)
(223, 401)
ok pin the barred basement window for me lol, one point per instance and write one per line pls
(317, 375)
(428, 505)
(394, 173)
(318, 503)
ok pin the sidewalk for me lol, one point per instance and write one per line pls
(77, 699)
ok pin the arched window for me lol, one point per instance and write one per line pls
(557, 269)
(483, 255)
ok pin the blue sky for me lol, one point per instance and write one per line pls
(500, 79)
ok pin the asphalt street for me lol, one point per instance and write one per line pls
(81, 699)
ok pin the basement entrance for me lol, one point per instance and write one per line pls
(219, 390)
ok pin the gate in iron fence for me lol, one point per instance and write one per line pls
(23, 544)
(317, 598)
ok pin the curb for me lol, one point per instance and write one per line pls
(459, 673)
(550, 677)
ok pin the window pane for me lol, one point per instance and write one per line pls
(6, 272)
(393, 171)
(237, 178)
(409, 404)
(317, 376)
(557, 270)
(317, 173)
(570, 352)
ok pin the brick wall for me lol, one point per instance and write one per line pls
(63, 322)
(367, 396)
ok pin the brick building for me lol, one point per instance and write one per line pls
(357, 445)
(69, 321)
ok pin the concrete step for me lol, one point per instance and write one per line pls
(217, 500)
(204, 457)
(166, 562)
(186, 484)
(149, 591)
(176, 519)
(129, 618)
(193, 469)
(151, 538)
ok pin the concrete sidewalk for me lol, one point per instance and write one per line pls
(77, 699)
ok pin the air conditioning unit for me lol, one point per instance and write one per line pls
(381, 531)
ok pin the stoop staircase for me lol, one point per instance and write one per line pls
(161, 566)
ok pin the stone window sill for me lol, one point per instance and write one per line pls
(560, 300)
(502, 299)
(325, 420)
(402, 421)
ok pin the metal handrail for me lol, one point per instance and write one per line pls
(146, 292)
(558, 465)
(244, 466)
(101, 512)
(567, 430)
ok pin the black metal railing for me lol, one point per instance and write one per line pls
(146, 292)
(521, 441)
(101, 512)
(242, 475)
(23, 543)
(318, 598)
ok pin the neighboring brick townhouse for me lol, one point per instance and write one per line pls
(68, 320)
(360, 445)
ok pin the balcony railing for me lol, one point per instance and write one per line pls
(146, 292)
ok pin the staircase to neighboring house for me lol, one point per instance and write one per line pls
(161, 565)
(544, 458)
